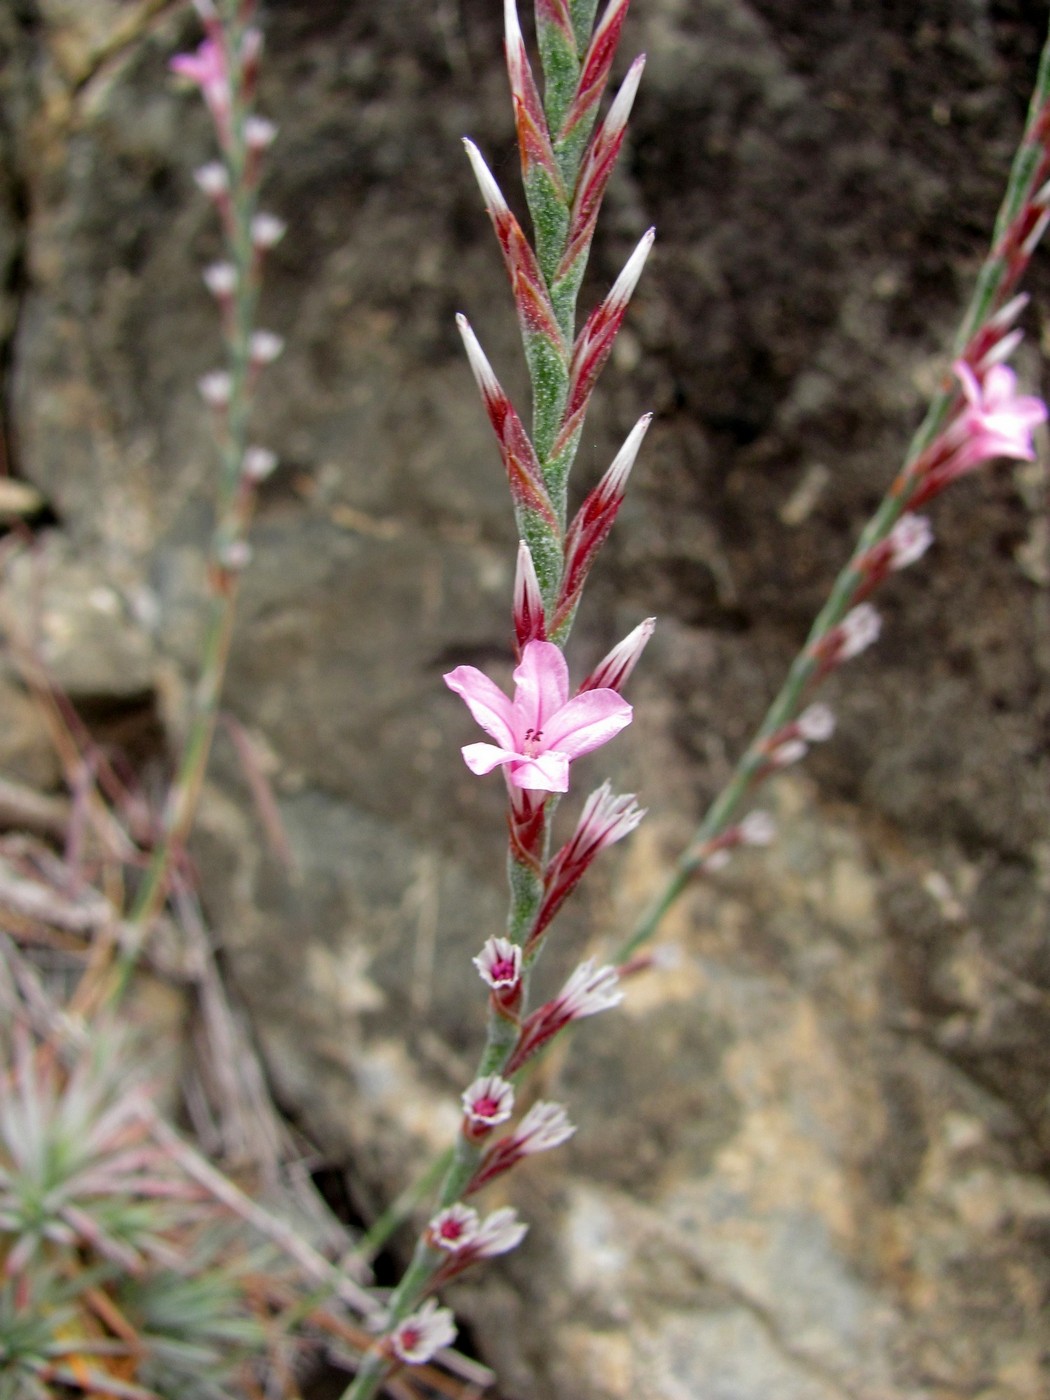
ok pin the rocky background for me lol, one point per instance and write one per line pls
(813, 1152)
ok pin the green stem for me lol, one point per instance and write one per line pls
(998, 276)
(232, 513)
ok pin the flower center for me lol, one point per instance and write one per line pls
(533, 740)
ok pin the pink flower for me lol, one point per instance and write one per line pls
(454, 1228)
(487, 1102)
(605, 818)
(415, 1340)
(499, 964)
(541, 730)
(465, 1239)
(588, 991)
(209, 70)
(545, 1126)
(998, 422)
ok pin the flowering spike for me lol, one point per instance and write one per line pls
(595, 341)
(541, 730)
(416, 1339)
(596, 65)
(594, 176)
(605, 819)
(613, 670)
(530, 291)
(530, 623)
(519, 457)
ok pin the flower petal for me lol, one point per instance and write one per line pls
(541, 682)
(548, 772)
(482, 758)
(486, 702)
(586, 722)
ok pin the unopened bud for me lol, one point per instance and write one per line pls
(215, 388)
(816, 723)
(267, 230)
(757, 829)
(212, 179)
(258, 464)
(264, 347)
(220, 279)
(259, 133)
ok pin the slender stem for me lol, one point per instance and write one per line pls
(998, 277)
(233, 509)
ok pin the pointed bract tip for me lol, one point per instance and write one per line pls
(483, 373)
(624, 100)
(625, 284)
(511, 26)
(490, 191)
(615, 479)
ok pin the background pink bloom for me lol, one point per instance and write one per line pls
(541, 730)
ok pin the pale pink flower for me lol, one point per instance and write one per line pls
(816, 723)
(788, 752)
(454, 1228)
(488, 1102)
(541, 730)
(499, 964)
(996, 422)
(500, 1232)
(220, 278)
(613, 670)
(908, 541)
(545, 1126)
(258, 464)
(215, 388)
(212, 179)
(857, 631)
(265, 346)
(757, 829)
(588, 991)
(259, 132)
(207, 67)
(464, 1239)
(267, 230)
(605, 819)
(416, 1340)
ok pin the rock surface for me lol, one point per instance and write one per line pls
(812, 1157)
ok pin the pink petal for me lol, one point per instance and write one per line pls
(542, 687)
(486, 702)
(482, 758)
(548, 772)
(586, 722)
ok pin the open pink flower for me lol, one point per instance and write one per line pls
(998, 422)
(541, 730)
